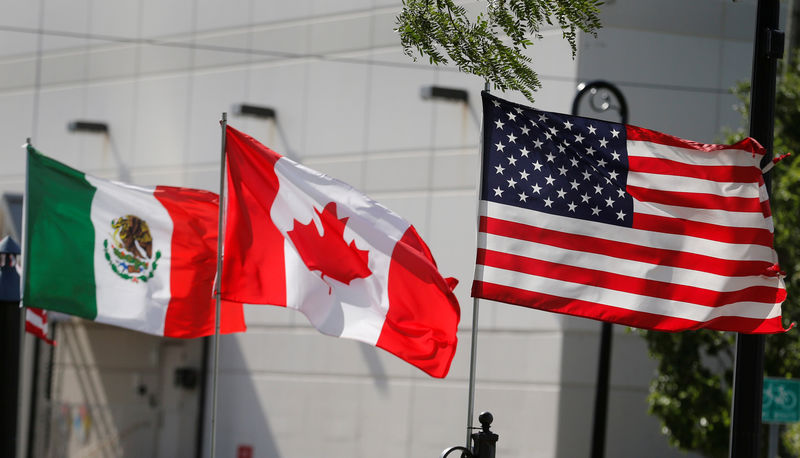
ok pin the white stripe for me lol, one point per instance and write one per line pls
(356, 310)
(762, 190)
(734, 157)
(36, 320)
(141, 306)
(744, 252)
(636, 269)
(719, 217)
(628, 301)
(697, 185)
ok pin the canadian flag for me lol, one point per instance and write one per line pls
(300, 239)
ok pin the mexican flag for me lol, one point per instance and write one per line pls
(303, 240)
(135, 257)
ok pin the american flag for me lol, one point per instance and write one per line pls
(623, 224)
(36, 323)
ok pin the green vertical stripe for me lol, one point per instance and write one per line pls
(60, 242)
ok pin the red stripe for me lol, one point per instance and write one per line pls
(192, 309)
(635, 133)
(422, 320)
(632, 285)
(725, 234)
(618, 315)
(717, 173)
(766, 209)
(254, 270)
(696, 200)
(34, 329)
(38, 312)
(622, 250)
(30, 328)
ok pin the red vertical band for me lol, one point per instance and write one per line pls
(254, 270)
(193, 263)
(423, 314)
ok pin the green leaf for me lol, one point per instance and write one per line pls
(491, 45)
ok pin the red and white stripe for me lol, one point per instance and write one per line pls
(36, 323)
(699, 253)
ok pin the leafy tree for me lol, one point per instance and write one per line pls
(492, 45)
(691, 393)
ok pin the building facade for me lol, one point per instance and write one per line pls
(348, 103)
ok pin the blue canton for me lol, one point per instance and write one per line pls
(554, 163)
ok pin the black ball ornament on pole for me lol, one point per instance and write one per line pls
(484, 442)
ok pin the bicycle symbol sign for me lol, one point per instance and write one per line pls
(779, 403)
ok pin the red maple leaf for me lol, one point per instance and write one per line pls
(329, 253)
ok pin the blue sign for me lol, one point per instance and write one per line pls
(779, 403)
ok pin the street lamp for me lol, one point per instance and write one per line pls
(600, 100)
(10, 334)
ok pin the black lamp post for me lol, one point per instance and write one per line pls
(10, 334)
(601, 100)
(748, 376)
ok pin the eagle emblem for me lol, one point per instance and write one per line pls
(130, 254)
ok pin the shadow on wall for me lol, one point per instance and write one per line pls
(274, 386)
(242, 423)
(376, 369)
(87, 415)
(576, 403)
(114, 394)
(630, 430)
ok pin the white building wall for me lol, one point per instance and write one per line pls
(675, 62)
(348, 103)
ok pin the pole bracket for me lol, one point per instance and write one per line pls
(773, 44)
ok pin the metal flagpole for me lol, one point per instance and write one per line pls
(217, 287)
(472, 353)
(474, 343)
(748, 377)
